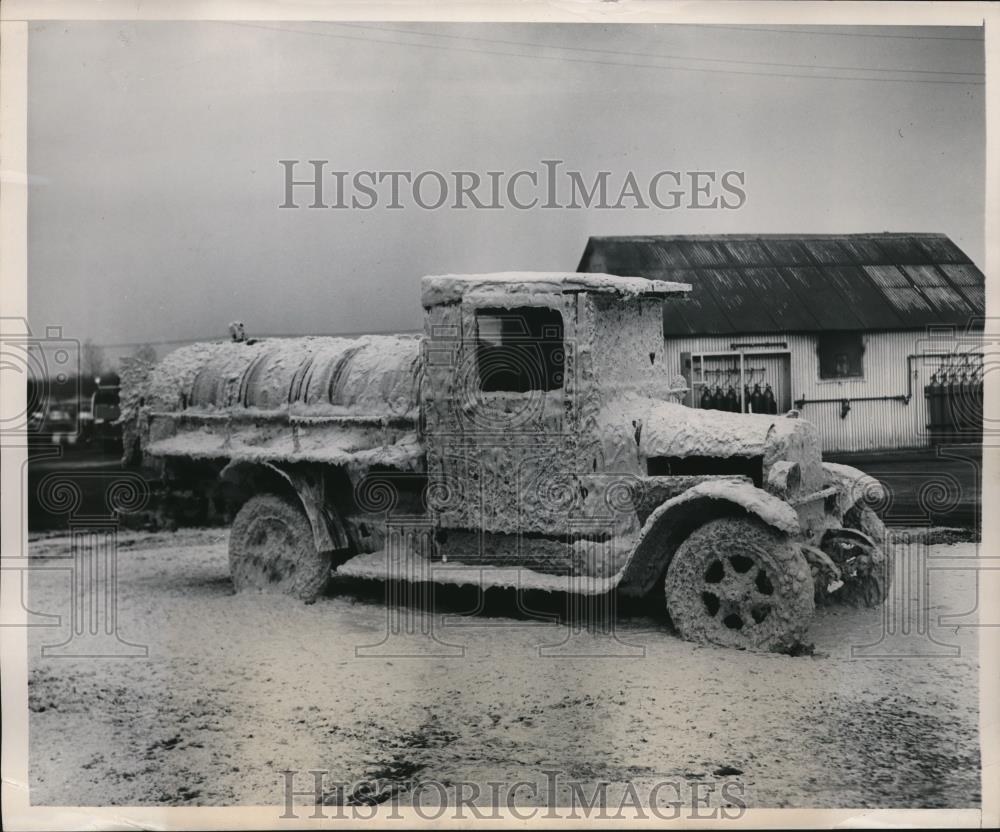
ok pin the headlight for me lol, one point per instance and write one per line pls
(784, 478)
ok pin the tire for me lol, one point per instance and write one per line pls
(739, 583)
(271, 549)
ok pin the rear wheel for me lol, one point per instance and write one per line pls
(271, 549)
(739, 583)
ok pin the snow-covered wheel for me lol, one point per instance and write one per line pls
(271, 549)
(739, 583)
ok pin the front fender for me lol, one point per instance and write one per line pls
(667, 527)
(853, 486)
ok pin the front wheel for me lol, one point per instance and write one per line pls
(271, 549)
(739, 583)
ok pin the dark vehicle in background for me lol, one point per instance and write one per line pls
(104, 431)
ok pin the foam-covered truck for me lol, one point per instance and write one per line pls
(530, 438)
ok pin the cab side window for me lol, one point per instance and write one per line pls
(519, 349)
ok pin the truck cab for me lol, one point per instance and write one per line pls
(519, 370)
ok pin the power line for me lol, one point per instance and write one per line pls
(659, 55)
(607, 63)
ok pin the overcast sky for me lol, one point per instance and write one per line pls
(154, 148)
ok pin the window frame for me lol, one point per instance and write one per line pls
(862, 345)
(495, 308)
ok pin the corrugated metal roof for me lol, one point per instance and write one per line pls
(801, 282)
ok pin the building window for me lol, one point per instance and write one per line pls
(519, 349)
(840, 355)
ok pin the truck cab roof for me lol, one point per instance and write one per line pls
(452, 288)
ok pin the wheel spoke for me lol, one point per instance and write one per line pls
(735, 586)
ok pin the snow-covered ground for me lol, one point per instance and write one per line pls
(236, 689)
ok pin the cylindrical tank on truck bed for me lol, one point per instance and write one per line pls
(374, 375)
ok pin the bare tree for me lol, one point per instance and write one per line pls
(146, 353)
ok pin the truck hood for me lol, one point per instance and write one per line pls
(652, 428)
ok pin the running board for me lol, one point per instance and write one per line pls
(386, 566)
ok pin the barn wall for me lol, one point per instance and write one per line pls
(875, 425)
